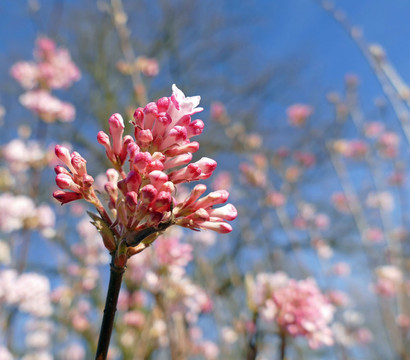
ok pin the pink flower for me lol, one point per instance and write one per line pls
(53, 68)
(388, 144)
(374, 235)
(47, 107)
(275, 199)
(298, 114)
(341, 269)
(159, 156)
(354, 149)
(297, 307)
(373, 129)
(305, 159)
(340, 202)
(148, 66)
(218, 112)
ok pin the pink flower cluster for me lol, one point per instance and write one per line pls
(159, 158)
(29, 291)
(297, 307)
(52, 69)
(19, 211)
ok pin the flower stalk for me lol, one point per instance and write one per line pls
(107, 324)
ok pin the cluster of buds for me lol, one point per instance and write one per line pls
(142, 197)
(52, 69)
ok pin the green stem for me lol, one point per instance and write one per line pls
(109, 311)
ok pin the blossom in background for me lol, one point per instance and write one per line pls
(388, 144)
(29, 291)
(389, 280)
(19, 211)
(142, 200)
(298, 114)
(373, 129)
(354, 149)
(20, 154)
(52, 69)
(298, 308)
(48, 107)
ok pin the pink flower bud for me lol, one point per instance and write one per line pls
(195, 194)
(116, 124)
(148, 194)
(139, 118)
(131, 200)
(145, 138)
(112, 175)
(195, 128)
(182, 149)
(87, 180)
(155, 165)
(213, 198)
(177, 161)
(141, 161)
(161, 124)
(65, 181)
(162, 202)
(163, 104)
(61, 170)
(150, 115)
(65, 197)
(157, 178)
(104, 139)
(78, 163)
(168, 187)
(64, 155)
(133, 181)
(219, 227)
(227, 212)
(176, 136)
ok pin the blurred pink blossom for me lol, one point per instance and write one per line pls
(298, 114)
(389, 280)
(297, 307)
(47, 107)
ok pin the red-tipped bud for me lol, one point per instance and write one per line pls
(88, 180)
(139, 118)
(148, 194)
(163, 104)
(157, 178)
(145, 138)
(65, 197)
(162, 202)
(61, 170)
(133, 181)
(131, 200)
(195, 128)
(141, 161)
(125, 142)
(64, 155)
(65, 181)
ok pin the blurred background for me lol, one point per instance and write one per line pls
(306, 111)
